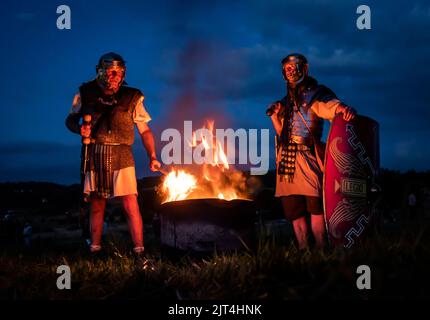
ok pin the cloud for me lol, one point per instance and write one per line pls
(196, 59)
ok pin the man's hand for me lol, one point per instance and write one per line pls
(274, 110)
(154, 165)
(85, 130)
(348, 112)
(149, 143)
(276, 107)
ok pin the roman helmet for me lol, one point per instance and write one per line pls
(111, 71)
(300, 70)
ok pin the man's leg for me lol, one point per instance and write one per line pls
(134, 220)
(294, 211)
(301, 231)
(98, 205)
(315, 207)
(318, 229)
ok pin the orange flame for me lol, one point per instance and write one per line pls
(178, 185)
(218, 155)
(213, 182)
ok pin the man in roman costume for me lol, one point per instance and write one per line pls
(115, 110)
(298, 119)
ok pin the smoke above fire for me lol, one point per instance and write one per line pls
(197, 78)
(197, 75)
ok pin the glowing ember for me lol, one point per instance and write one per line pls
(229, 194)
(178, 185)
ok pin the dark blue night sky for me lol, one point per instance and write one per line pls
(200, 59)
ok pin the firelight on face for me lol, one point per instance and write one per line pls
(114, 76)
(293, 72)
(111, 78)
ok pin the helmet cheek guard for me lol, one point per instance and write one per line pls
(300, 62)
(107, 61)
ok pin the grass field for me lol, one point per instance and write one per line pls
(398, 256)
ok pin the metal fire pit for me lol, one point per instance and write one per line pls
(206, 225)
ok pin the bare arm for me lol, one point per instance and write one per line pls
(147, 139)
(275, 121)
(149, 144)
(276, 124)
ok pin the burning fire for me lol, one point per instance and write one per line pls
(216, 179)
(178, 185)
